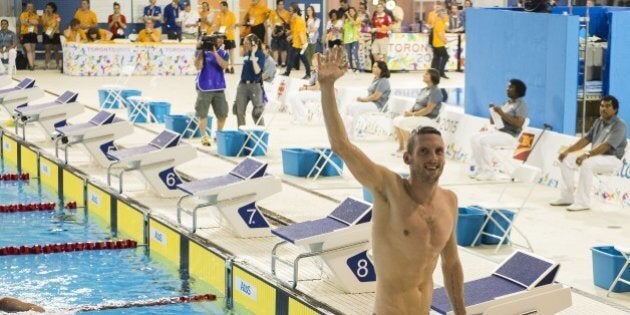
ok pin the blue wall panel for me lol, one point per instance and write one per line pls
(619, 57)
(540, 49)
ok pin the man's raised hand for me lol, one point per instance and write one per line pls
(332, 65)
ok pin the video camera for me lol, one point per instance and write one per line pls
(209, 42)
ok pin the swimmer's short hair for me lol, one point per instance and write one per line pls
(426, 130)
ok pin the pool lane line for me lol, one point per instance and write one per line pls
(37, 206)
(66, 247)
(154, 302)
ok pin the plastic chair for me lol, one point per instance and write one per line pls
(524, 174)
(625, 252)
(503, 154)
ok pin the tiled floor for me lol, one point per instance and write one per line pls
(554, 233)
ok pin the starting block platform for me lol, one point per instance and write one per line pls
(522, 284)
(156, 162)
(96, 136)
(341, 239)
(49, 116)
(22, 93)
(234, 195)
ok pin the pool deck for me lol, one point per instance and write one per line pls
(562, 236)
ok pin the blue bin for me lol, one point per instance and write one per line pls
(492, 228)
(102, 97)
(229, 142)
(260, 149)
(469, 222)
(127, 93)
(160, 110)
(139, 116)
(607, 263)
(297, 161)
(330, 170)
(178, 123)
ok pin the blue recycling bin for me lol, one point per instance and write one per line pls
(607, 263)
(494, 229)
(469, 222)
(104, 95)
(160, 110)
(178, 124)
(298, 161)
(126, 93)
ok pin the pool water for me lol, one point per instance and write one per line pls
(63, 282)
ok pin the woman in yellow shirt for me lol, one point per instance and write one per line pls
(95, 34)
(206, 18)
(50, 27)
(28, 33)
(74, 33)
(149, 34)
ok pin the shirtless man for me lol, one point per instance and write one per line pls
(13, 305)
(413, 220)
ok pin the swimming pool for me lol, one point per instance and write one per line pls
(67, 281)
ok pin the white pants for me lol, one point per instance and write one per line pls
(298, 104)
(593, 165)
(352, 111)
(483, 144)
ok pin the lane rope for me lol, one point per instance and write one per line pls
(66, 247)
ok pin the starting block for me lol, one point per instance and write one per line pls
(341, 239)
(522, 284)
(97, 136)
(234, 195)
(22, 93)
(50, 115)
(156, 162)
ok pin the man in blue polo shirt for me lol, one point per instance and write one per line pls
(250, 87)
(154, 13)
(172, 22)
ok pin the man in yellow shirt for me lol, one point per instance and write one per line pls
(74, 33)
(300, 43)
(258, 13)
(440, 55)
(28, 33)
(149, 34)
(86, 17)
(225, 22)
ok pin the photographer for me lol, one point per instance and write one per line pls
(211, 61)
(250, 88)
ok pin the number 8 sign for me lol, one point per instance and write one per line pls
(362, 267)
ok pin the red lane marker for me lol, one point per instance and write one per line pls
(66, 247)
(163, 301)
(39, 206)
(14, 176)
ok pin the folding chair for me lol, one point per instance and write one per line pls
(114, 91)
(525, 174)
(503, 154)
(379, 124)
(140, 110)
(625, 252)
(256, 133)
(325, 159)
(193, 126)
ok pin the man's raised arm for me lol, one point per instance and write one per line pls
(332, 66)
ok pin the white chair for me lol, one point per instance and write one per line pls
(625, 252)
(114, 91)
(523, 174)
(504, 154)
(379, 124)
(12, 56)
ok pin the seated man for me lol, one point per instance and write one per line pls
(74, 33)
(149, 34)
(13, 305)
(95, 34)
(608, 142)
(307, 93)
(427, 106)
(513, 115)
(8, 40)
(269, 71)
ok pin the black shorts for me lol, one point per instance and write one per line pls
(279, 43)
(30, 38)
(229, 44)
(333, 43)
(51, 41)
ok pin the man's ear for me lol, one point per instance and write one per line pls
(407, 158)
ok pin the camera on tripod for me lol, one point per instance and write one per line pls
(209, 42)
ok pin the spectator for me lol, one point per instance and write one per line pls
(351, 26)
(190, 22)
(440, 54)
(258, 14)
(334, 29)
(28, 32)
(270, 68)
(86, 17)
(211, 86)
(249, 89)
(149, 34)
(8, 40)
(462, 14)
(225, 22)
(513, 115)
(95, 34)
(364, 15)
(607, 138)
(154, 13)
(51, 36)
(455, 24)
(312, 29)
(299, 42)
(343, 7)
(117, 22)
(427, 107)
(398, 15)
(378, 95)
(172, 20)
(74, 33)
(381, 25)
(206, 18)
(280, 19)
